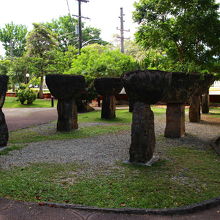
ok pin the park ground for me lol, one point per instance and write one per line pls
(86, 166)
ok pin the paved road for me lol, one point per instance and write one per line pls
(18, 118)
(17, 210)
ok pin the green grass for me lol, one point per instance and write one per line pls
(189, 176)
(122, 116)
(214, 112)
(11, 148)
(121, 123)
(22, 136)
(11, 102)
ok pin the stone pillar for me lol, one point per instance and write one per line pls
(3, 130)
(67, 115)
(108, 107)
(175, 120)
(205, 102)
(194, 110)
(142, 134)
(130, 106)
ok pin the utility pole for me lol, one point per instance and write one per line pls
(80, 23)
(122, 30)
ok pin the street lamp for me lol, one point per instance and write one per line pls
(27, 77)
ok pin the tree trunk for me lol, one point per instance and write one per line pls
(142, 134)
(67, 115)
(41, 96)
(108, 107)
(205, 102)
(175, 121)
(194, 109)
(3, 130)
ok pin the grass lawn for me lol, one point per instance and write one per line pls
(187, 174)
(11, 102)
(214, 112)
(121, 123)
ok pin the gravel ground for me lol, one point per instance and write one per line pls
(105, 150)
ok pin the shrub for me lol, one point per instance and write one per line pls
(26, 94)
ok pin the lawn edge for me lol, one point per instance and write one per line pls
(207, 204)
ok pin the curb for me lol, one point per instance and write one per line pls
(207, 204)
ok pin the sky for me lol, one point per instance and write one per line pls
(103, 14)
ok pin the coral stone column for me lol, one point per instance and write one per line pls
(142, 133)
(204, 83)
(3, 126)
(205, 102)
(108, 87)
(67, 115)
(181, 88)
(194, 109)
(144, 88)
(108, 107)
(66, 88)
(175, 120)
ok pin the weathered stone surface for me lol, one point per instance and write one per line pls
(3, 125)
(205, 82)
(142, 134)
(205, 102)
(67, 115)
(108, 85)
(3, 130)
(108, 88)
(144, 88)
(108, 107)
(66, 88)
(175, 120)
(147, 86)
(3, 89)
(182, 87)
(194, 109)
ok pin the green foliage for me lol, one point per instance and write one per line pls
(101, 61)
(4, 66)
(25, 94)
(65, 27)
(40, 40)
(13, 39)
(187, 31)
(59, 61)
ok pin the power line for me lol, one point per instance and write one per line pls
(71, 19)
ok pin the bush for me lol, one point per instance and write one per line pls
(26, 94)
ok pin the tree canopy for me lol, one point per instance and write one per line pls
(13, 38)
(188, 31)
(40, 42)
(65, 27)
(101, 61)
